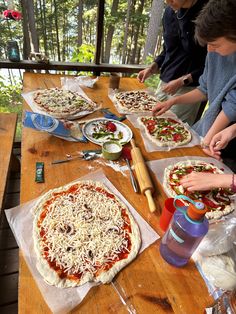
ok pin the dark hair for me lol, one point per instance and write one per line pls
(217, 19)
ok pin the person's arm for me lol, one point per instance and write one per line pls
(172, 86)
(221, 139)
(189, 98)
(200, 181)
(225, 117)
(146, 73)
(220, 123)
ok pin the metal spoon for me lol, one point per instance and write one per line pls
(85, 157)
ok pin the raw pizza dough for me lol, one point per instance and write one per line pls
(82, 232)
(220, 270)
(217, 200)
(61, 103)
(165, 131)
(135, 101)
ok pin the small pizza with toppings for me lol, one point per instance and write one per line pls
(82, 232)
(165, 131)
(135, 101)
(217, 200)
(61, 103)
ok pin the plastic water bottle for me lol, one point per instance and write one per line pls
(187, 228)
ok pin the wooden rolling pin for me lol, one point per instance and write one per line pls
(144, 180)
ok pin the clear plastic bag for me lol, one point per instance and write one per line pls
(216, 255)
(219, 239)
(75, 82)
(220, 270)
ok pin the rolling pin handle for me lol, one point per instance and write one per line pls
(152, 205)
(132, 143)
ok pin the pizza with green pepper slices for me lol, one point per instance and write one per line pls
(165, 131)
(217, 200)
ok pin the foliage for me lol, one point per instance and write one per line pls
(11, 100)
(85, 53)
(10, 30)
(58, 24)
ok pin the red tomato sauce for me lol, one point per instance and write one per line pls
(73, 189)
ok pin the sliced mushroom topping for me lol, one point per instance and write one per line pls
(104, 218)
(113, 229)
(67, 229)
(90, 253)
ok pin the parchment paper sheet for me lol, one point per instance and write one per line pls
(20, 219)
(149, 145)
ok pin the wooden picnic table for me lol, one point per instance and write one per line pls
(148, 284)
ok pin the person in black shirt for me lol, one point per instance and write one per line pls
(182, 60)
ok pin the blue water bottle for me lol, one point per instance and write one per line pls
(187, 228)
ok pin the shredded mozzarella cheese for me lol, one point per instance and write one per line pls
(83, 231)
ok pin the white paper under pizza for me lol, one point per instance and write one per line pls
(59, 300)
(158, 167)
(29, 98)
(151, 146)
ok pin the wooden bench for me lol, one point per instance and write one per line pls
(7, 133)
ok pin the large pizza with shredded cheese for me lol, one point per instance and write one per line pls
(135, 101)
(83, 232)
(61, 103)
(165, 131)
(217, 200)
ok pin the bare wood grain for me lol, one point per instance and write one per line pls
(7, 133)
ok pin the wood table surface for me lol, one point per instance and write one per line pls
(7, 133)
(148, 284)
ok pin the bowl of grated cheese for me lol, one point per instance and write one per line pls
(111, 150)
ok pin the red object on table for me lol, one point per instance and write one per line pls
(168, 212)
(126, 153)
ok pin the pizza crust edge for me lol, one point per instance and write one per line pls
(50, 276)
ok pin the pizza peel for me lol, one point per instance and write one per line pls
(144, 180)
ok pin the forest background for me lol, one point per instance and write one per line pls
(65, 30)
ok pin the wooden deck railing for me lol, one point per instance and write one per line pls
(71, 66)
(96, 67)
